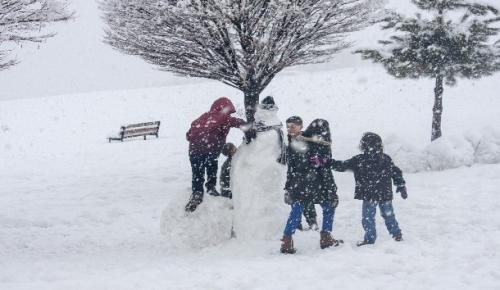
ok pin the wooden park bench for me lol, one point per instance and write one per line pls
(137, 130)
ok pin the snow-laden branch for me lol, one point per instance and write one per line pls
(241, 43)
(23, 21)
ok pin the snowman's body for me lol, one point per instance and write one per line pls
(257, 182)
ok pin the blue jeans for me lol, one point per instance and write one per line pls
(296, 215)
(368, 219)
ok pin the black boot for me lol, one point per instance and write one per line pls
(363, 243)
(314, 226)
(194, 202)
(213, 192)
(398, 238)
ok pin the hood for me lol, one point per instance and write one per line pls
(371, 144)
(223, 105)
(320, 129)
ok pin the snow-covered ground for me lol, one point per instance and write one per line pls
(79, 213)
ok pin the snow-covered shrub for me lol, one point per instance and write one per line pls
(408, 157)
(447, 152)
(486, 147)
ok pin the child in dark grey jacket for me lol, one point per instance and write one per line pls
(225, 175)
(374, 174)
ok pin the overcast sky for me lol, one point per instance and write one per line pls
(76, 60)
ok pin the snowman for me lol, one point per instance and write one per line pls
(258, 176)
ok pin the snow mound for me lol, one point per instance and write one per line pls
(447, 152)
(486, 146)
(209, 225)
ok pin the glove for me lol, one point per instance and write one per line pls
(250, 134)
(402, 190)
(318, 161)
(287, 198)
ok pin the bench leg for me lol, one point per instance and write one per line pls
(144, 137)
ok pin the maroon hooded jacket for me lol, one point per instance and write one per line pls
(208, 133)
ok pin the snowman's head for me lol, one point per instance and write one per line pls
(268, 104)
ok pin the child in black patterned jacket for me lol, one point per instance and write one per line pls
(374, 174)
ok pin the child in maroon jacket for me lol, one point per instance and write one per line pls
(206, 137)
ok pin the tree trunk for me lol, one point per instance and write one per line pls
(437, 110)
(251, 101)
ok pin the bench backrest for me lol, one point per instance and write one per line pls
(134, 130)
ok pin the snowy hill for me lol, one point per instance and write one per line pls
(80, 213)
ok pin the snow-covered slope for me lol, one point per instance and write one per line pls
(79, 213)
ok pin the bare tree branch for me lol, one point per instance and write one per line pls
(242, 43)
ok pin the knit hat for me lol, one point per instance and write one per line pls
(294, 120)
(228, 149)
(268, 103)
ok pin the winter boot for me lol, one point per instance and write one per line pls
(309, 227)
(314, 227)
(363, 243)
(326, 240)
(398, 238)
(193, 203)
(213, 192)
(287, 245)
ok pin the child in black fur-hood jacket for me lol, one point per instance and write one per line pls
(307, 184)
(374, 174)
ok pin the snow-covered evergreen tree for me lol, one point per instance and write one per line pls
(456, 41)
(22, 21)
(241, 43)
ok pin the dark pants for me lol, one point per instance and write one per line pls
(201, 164)
(309, 213)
